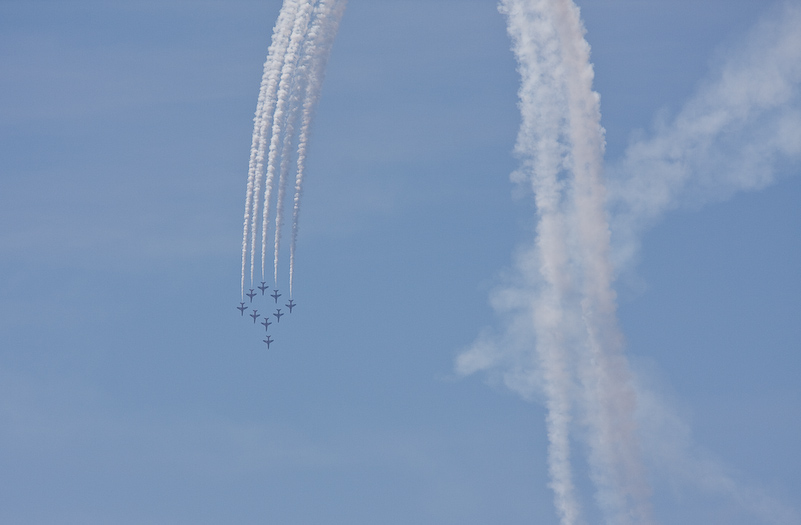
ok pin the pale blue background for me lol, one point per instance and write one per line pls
(131, 391)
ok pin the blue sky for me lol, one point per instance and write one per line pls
(131, 391)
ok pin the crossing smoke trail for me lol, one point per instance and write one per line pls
(580, 362)
(561, 337)
(290, 87)
(543, 156)
(603, 369)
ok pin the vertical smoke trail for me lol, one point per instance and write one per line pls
(608, 392)
(328, 18)
(574, 310)
(275, 57)
(297, 103)
(298, 94)
(279, 116)
(266, 120)
(286, 156)
(538, 144)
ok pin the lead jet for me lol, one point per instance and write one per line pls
(266, 322)
(254, 315)
(290, 305)
(242, 308)
(252, 294)
(278, 315)
(269, 340)
(275, 295)
(263, 286)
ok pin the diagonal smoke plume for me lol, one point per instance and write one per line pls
(735, 134)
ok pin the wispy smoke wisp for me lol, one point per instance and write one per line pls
(733, 135)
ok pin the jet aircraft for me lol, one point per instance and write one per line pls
(242, 308)
(252, 294)
(263, 286)
(266, 322)
(290, 305)
(275, 295)
(254, 315)
(278, 315)
(269, 340)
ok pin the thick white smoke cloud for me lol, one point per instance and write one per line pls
(560, 338)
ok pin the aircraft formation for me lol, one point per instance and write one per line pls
(254, 314)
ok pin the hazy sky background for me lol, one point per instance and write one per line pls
(131, 391)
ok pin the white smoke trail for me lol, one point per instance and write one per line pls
(291, 57)
(328, 17)
(298, 93)
(573, 305)
(275, 56)
(608, 392)
(572, 243)
(293, 109)
(286, 156)
(573, 308)
(289, 90)
(543, 155)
